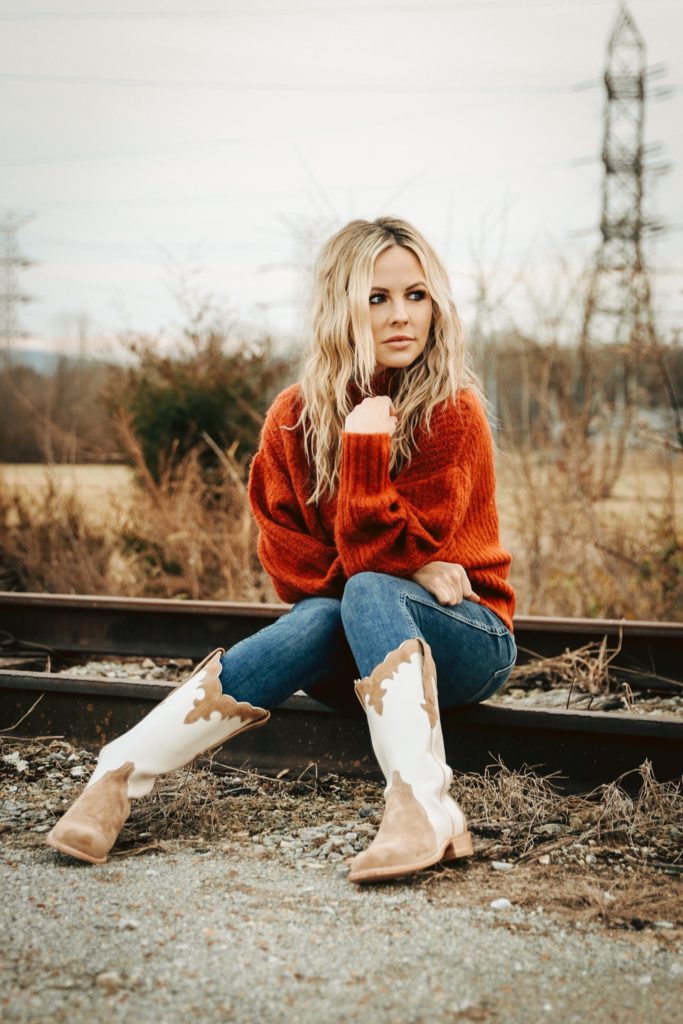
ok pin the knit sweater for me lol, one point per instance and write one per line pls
(441, 507)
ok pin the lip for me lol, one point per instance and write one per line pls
(398, 338)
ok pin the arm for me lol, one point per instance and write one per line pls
(399, 526)
(299, 564)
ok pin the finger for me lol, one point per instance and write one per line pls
(443, 594)
(473, 597)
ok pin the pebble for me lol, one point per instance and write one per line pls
(110, 982)
(128, 924)
(501, 904)
(664, 925)
(544, 858)
(501, 865)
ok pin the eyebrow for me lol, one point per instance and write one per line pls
(418, 284)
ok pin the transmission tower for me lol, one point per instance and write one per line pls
(11, 262)
(618, 310)
(619, 307)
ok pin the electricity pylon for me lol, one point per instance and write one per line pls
(618, 316)
(11, 262)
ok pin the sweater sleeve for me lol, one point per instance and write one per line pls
(299, 564)
(398, 526)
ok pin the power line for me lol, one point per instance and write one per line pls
(417, 88)
(317, 9)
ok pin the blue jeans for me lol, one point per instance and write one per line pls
(323, 644)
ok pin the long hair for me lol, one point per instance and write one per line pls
(342, 348)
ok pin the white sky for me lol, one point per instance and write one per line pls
(209, 134)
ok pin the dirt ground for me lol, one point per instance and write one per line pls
(610, 857)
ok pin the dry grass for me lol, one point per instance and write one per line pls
(575, 556)
(193, 536)
(189, 535)
(633, 834)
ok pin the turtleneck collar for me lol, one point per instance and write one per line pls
(380, 382)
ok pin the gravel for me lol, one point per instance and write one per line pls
(247, 937)
(227, 898)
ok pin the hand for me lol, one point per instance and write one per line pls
(372, 416)
(447, 581)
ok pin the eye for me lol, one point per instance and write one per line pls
(420, 294)
(377, 296)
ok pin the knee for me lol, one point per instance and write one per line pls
(362, 588)
(322, 610)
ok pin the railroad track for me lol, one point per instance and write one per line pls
(586, 747)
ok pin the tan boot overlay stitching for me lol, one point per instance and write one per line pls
(215, 700)
(371, 686)
(431, 703)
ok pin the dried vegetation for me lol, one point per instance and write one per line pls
(613, 855)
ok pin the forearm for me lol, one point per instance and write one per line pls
(378, 528)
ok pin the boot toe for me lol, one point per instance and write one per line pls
(83, 842)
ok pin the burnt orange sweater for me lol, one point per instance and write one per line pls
(440, 507)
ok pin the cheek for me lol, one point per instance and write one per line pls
(375, 318)
(427, 317)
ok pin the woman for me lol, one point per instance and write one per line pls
(374, 492)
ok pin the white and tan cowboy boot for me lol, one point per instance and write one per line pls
(422, 824)
(194, 718)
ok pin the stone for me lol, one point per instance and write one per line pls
(128, 924)
(109, 981)
(501, 904)
(501, 865)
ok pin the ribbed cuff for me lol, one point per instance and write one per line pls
(365, 463)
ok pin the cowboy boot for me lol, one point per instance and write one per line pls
(422, 823)
(194, 718)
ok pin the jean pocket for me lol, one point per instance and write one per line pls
(494, 681)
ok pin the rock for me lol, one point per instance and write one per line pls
(501, 904)
(645, 979)
(16, 760)
(109, 981)
(575, 821)
(501, 865)
(664, 925)
(544, 858)
(365, 812)
(128, 924)
(590, 859)
(551, 828)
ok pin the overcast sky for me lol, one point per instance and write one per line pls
(219, 136)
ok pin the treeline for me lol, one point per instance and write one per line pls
(81, 411)
(214, 387)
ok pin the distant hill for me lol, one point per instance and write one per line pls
(43, 361)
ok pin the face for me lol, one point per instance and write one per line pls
(400, 307)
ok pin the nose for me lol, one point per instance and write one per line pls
(399, 314)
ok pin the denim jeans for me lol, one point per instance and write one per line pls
(323, 644)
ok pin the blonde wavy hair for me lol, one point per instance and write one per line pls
(342, 348)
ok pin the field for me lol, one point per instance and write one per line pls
(642, 488)
(95, 529)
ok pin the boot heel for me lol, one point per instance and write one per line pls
(459, 846)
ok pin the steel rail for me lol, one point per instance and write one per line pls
(587, 748)
(76, 625)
